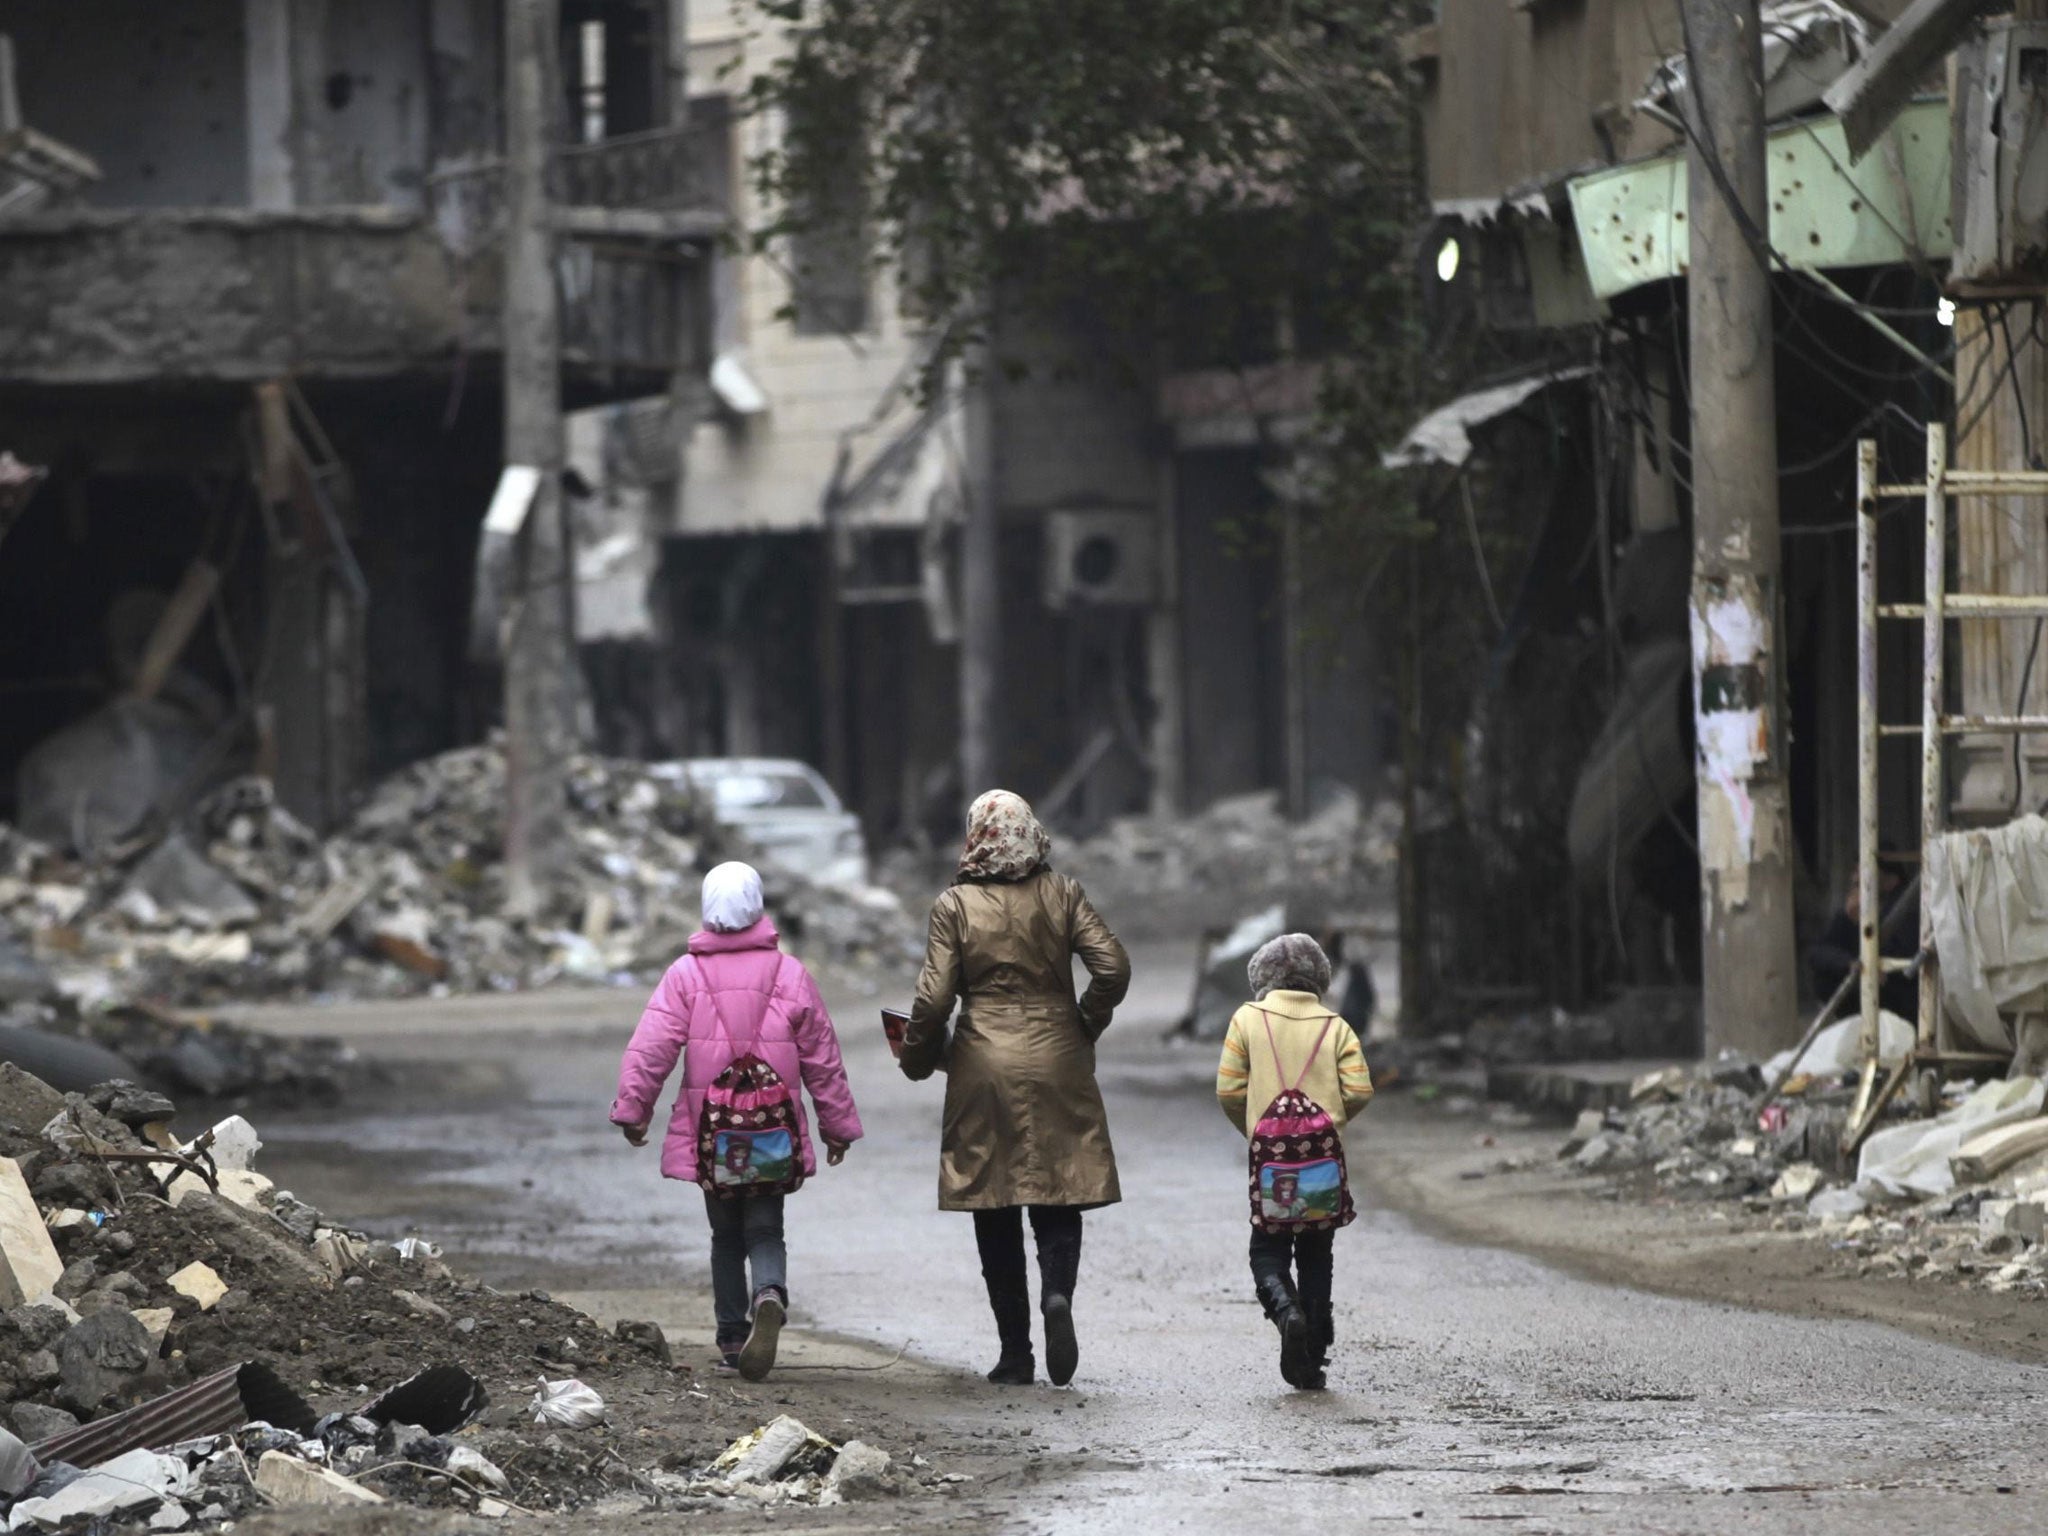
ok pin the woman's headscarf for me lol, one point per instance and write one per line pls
(1004, 840)
(732, 898)
(1294, 962)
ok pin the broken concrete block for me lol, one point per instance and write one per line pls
(157, 1321)
(200, 1283)
(179, 879)
(1797, 1182)
(235, 1145)
(29, 1266)
(18, 1467)
(101, 1356)
(340, 1254)
(860, 1471)
(243, 1188)
(26, 1100)
(466, 1461)
(37, 1422)
(420, 1306)
(288, 1480)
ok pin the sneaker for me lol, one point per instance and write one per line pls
(1062, 1350)
(728, 1363)
(757, 1355)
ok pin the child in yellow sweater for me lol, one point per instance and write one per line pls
(1287, 1040)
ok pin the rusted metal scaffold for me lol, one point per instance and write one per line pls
(1931, 1056)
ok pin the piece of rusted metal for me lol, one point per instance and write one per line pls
(226, 1400)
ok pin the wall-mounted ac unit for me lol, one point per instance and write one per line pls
(1100, 559)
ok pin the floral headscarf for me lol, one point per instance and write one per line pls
(1004, 840)
(1294, 962)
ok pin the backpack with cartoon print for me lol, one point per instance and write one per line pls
(1298, 1179)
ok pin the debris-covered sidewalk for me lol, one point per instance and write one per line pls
(1961, 1197)
(182, 1344)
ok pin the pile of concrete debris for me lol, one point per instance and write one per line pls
(182, 1343)
(1961, 1196)
(1239, 854)
(244, 901)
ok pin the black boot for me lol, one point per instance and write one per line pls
(1059, 1268)
(1012, 1306)
(1276, 1295)
(1322, 1334)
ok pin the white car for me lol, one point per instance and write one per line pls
(787, 810)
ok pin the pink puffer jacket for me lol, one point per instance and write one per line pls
(732, 993)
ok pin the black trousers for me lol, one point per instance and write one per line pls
(1056, 1229)
(1303, 1257)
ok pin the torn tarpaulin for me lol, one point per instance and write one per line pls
(1444, 435)
(440, 1400)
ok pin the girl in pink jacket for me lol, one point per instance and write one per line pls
(735, 993)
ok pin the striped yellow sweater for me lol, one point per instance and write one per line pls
(1248, 1078)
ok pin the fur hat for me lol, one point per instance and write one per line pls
(1294, 962)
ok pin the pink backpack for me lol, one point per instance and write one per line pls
(747, 1130)
(1297, 1158)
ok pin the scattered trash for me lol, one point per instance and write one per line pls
(1914, 1158)
(567, 1405)
(763, 1456)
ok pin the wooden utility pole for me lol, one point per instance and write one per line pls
(1745, 820)
(540, 654)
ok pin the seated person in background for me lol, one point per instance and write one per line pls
(1840, 946)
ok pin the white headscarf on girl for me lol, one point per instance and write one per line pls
(732, 898)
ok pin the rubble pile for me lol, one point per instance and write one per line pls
(1961, 1197)
(181, 1344)
(409, 896)
(1239, 854)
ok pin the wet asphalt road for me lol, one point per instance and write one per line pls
(1472, 1388)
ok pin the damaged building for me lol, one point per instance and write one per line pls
(252, 334)
(810, 598)
(1556, 165)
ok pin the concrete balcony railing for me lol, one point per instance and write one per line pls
(118, 296)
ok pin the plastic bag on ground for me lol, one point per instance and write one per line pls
(1839, 1047)
(567, 1405)
(1913, 1159)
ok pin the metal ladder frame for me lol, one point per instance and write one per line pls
(1936, 725)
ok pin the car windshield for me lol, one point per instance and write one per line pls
(757, 791)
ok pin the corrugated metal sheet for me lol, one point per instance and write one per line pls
(213, 1406)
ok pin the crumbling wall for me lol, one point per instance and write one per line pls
(155, 93)
(361, 92)
(105, 297)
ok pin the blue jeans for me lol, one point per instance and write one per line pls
(746, 1230)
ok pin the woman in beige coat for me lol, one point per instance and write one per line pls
(1024, 1126)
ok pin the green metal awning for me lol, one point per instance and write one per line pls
(1893, 208)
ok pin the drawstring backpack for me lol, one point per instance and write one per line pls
(746, 1132)
(1297, 1158)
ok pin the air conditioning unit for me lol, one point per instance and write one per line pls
(1100, 559)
